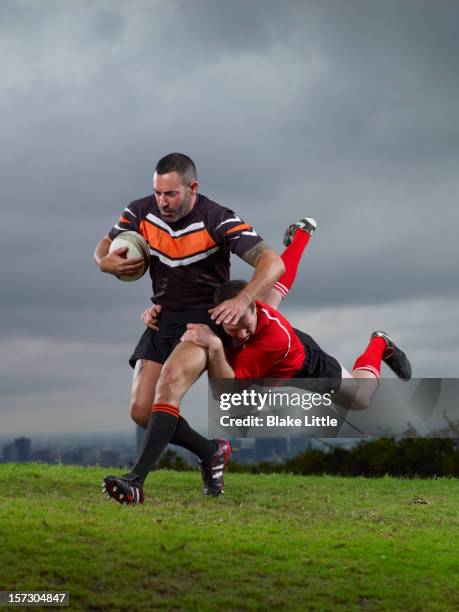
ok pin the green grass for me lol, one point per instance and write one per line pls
(276, 541)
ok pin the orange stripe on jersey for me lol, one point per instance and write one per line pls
(243, 226)
(123, 220)
(176, 248)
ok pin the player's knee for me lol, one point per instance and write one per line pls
(172, 377)
(360, 403)
(140, 413)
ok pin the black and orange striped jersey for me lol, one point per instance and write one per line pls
(189, 258)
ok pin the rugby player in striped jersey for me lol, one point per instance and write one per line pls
(190, 239)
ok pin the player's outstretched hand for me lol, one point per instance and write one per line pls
(230, 311)
(117, 264)
(150, 316)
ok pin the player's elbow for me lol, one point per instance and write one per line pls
(97, 256)
(274, 261)
(102, 249)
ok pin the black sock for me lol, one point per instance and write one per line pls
(160, 430)
(193, 441)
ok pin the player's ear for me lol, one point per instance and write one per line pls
(193, 187)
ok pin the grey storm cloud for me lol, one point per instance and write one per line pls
(344, 111)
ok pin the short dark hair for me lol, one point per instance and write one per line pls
(180, 163)
(229, 290)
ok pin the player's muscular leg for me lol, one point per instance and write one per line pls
(356, 395)
(272, 297)
(146, 374)
(184, 365)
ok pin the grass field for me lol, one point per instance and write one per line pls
(276, 541)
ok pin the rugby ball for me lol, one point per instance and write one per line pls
(137, 247)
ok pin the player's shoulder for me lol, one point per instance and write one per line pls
(211, 209)
(142, 206)
(272, 317)
(219, 220)
(267, 310)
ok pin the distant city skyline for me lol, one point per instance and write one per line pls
(123, 451)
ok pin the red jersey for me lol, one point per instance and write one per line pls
(273, 351)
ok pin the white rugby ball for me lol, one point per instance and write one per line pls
(137, 247)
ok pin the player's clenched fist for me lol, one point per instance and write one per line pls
(150, 316)
(202, 335)
(117, 264)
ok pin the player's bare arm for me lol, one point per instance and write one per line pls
(269, 267)
(252, 255)
(115, 263)
(202, 335)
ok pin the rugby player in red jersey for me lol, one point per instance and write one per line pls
(265, 345)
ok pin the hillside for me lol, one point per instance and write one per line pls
(272, 541)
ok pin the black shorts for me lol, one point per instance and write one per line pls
(319, 364)
(157, 346)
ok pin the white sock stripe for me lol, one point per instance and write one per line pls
(368, 369)
(282, 297)
(280, 290)
(283, 286)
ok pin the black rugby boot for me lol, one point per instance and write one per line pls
(394, 357)
(307, 224)
(125, 489)
(212, 469)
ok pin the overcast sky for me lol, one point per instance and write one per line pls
(346, 111)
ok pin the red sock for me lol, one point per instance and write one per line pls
(291, 258)
(371, 358)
